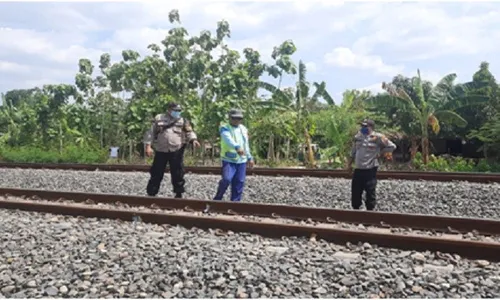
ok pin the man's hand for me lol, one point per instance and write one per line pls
(386, 156)
(196, 144)
(349, 167)
(251, 164)
(149, 151)
(240, 151)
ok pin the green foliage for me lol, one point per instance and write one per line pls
(454, 164)
(70, 154)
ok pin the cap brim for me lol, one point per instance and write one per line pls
(237, 116)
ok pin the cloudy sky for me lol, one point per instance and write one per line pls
(347, 44)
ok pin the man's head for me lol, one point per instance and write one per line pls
(367, 126)
(174, 110)
(235, 116)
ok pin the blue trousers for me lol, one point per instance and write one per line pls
(232, 174)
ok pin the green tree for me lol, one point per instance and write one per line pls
(439, 106)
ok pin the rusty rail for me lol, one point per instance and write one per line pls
(324, 215)
(287, 172)
(469, 249)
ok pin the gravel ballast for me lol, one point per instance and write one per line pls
(470, 236)
(425, 197)
(46, 255)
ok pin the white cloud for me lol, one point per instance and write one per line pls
(305, 6)
(264, 44)
(234, 14)
(11, 67)
(345, 58)
(431, 76)
(372, 42)
(420, 31)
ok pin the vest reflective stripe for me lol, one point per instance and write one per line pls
(226, 151)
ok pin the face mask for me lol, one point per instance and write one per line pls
(175, 114)
(365, 130)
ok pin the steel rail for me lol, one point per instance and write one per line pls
(287, 172)
(324, 215)
(468, 249)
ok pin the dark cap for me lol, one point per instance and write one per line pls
(236, 113)
(174, 106)
(368, 122)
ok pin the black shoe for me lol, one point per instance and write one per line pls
(178, 195)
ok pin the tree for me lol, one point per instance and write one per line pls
(439, 106)
(301, 101)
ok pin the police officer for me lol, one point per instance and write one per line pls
(368, 147)
(235, 156)
(169, 134)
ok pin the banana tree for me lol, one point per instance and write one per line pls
(338, 124)
(438, 107)
(302, 103)
(489, 135)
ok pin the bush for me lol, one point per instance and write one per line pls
(454, 164)
(70, 154)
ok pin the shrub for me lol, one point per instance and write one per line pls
(454, 164)
(70, 154)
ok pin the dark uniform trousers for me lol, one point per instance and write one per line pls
(175, 160)
(364, 180)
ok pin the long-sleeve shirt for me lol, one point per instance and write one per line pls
(366, 149)
(237, 139)
(170, 139)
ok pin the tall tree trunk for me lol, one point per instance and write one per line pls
(278, 150)
(413, 148)
(130, 149)
(102, 130)
(287, 154)
(270, 149)
(310, 155)
(212, 155)
(425, 149)
(203, 151)
(60, 139)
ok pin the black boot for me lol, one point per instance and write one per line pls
(178, 195)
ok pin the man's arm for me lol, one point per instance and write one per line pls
(149, 135)
(386, 145)
(226, 136)
(352, 156)
(190, 134)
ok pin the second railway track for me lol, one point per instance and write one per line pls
(268, 220)
(287, 172)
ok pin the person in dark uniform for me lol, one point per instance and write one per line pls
(368, 147)
(169, 134)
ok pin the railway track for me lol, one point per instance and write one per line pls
(271, 220)
(287, 172)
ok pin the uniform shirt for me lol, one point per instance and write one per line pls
(170, 139)
(366, 149)
(236, 139)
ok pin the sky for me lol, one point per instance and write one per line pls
(350, 45)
